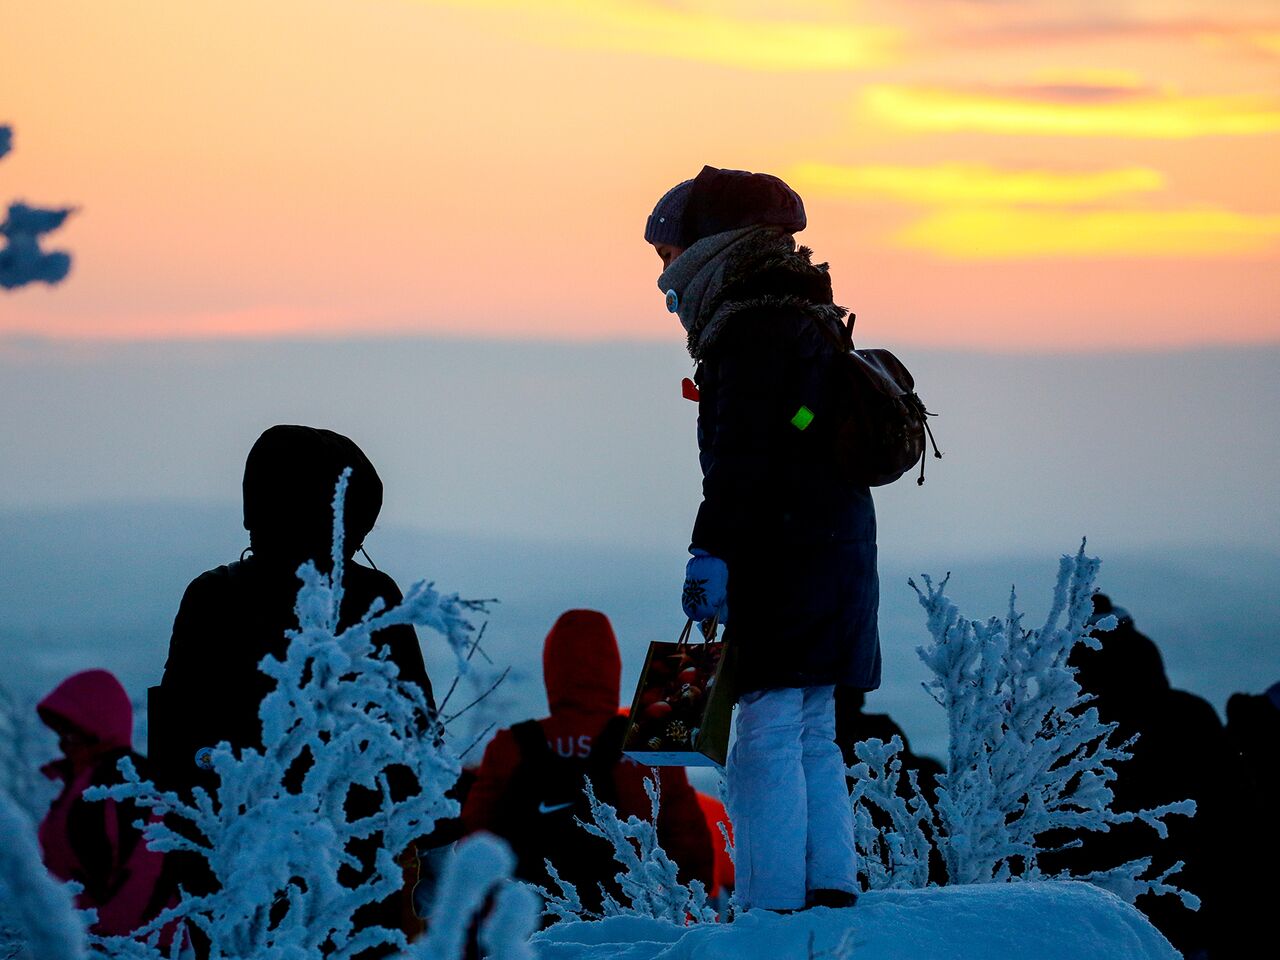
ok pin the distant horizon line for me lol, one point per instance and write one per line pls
(1167, 549)
(18, 340)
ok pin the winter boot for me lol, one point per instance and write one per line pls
(836, 899)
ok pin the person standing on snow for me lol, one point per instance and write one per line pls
(96, 843)
(783, 549)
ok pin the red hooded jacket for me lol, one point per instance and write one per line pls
(96, 843)
(715, 813)
(582, 669)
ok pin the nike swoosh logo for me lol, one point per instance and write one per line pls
(543, 808)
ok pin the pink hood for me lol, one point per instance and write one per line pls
(95, 703)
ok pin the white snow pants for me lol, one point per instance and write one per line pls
(792, 822)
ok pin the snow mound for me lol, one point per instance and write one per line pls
(1050, 920)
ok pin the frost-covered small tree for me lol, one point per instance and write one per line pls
(893, 827)
(648, 879)
(38, 918)
(25, 743)
(22, 261)
(340, 714)
(1028, 755)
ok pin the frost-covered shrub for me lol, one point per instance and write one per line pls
(481, 868)
(38, 918)
(1027, 755)
(647, 880)
(478, 700)
(25, 743)
(341, 715)
(25, 794)
(895, 846)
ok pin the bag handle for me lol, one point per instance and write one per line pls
(708, 637)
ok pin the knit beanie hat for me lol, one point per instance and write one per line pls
(665, 223)
(718, 200)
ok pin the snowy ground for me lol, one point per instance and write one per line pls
(999, 921)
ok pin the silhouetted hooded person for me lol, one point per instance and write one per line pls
(1126, 674)
(232, 616)
(582, 669)
(1182, 753)
(1253, 727)
(854, 725)
(1253, 723)
(95, 843)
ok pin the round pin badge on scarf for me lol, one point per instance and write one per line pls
(673, 301)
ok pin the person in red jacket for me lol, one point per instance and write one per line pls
(715, 814)
(96, 843)
(582, 669)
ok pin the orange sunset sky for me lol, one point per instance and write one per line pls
(1024, 175)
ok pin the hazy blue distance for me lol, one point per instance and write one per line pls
(554, 475)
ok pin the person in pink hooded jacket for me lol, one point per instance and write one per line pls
(96, 843)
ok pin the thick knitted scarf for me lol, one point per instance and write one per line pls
(720, 276)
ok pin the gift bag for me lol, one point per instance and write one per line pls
(683, 706)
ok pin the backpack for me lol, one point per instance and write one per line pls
(545, 798)
(881, 435)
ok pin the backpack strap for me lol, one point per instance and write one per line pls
(606, 752)
(531, 741)
(606, 749)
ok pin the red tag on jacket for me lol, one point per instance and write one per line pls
(689, 390)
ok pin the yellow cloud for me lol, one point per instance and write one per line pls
(703, 35)
(959, 183)
(1013, 234)
(1267, 41)
(1077, 112)
(1101, 77)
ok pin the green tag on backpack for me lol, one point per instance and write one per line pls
(802, 419)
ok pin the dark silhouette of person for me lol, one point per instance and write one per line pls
(854, 725)
(1253, 727)
(1182, 752)
(96, 843)
(234, 615)
(511, 797)
(1253, 724)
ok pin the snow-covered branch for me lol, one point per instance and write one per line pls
(647, 881)
(38, 917)
(22, 261)
(892, 829)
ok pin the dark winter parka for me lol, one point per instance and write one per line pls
(232, 616)
(799, 541)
